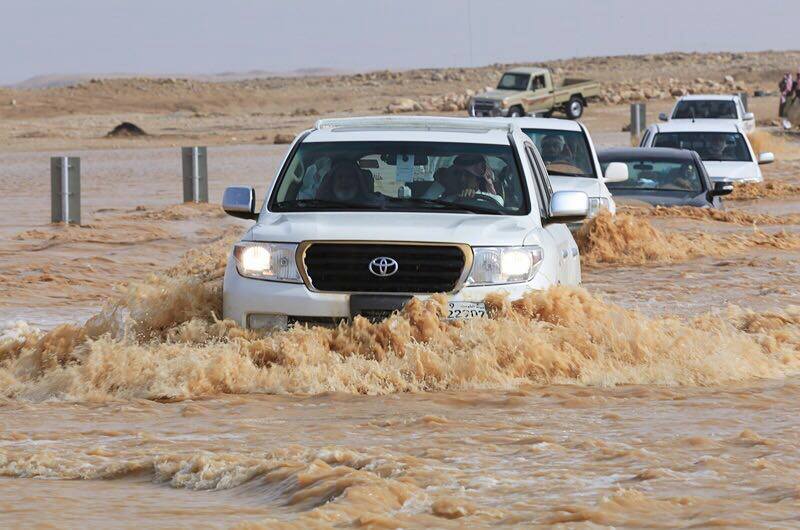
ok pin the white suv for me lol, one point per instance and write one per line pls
(712, 107)
(722, 145)
(571, 160)
(367, 212)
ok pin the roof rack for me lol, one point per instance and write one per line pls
(424, 123)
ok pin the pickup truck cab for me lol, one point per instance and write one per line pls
(366, 213)
(571, 160)
(722, 145)
(531, 91)
(712, 107)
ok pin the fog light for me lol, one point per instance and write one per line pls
(269, 322)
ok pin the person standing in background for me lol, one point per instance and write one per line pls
(785, 87)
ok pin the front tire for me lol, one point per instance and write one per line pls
(574, 108)
(516, 112)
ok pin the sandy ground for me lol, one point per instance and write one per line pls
(661, 396)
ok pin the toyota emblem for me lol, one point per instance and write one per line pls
(383, 266)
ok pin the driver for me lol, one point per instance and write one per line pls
(717, 147)
(477, 166)
(554, 150)
(473, 186)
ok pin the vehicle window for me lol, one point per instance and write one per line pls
(565, 153)
(667, 175)
(705, 109)
(644, 140)
(537, 83)
(711, 146)
(405, 176)
(514, 82)
(542, 195)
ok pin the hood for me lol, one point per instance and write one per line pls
(656, 198)
(496, 94)
(472, 229)
(733, 171)
(591, 186)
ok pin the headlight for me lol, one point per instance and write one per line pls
(501, 104)
(267, 261)
(596, 204)
(498, 265)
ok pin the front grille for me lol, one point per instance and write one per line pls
(344, 267)
(483, 106)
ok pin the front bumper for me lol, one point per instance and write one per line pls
(245, 296)
(487, 112)
(738, 180)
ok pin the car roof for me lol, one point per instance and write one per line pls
(710, 125)
(544, 123)
(718, 97)
(527, 70)
(412, 129)
(645, 153)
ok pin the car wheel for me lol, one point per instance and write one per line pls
(516, 112)
(574, 108)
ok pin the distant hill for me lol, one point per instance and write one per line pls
(62, 80)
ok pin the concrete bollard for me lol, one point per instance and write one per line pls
(638, 120)
(65, 189)
(743, 97)
(195, 174)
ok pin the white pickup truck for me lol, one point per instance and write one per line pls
(365, 213)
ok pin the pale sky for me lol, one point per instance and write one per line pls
(207, 36)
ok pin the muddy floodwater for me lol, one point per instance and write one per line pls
(663, 393)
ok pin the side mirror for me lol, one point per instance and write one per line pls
(722, 188)
(766, 158)
(569, 206)
(663, 117)
(616, 172)
(748, 116)
(240, 201)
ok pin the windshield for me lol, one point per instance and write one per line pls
(666, 175)
(705, 109)
(401, 176)
(565, 153)
(514, 82)
(711, 146)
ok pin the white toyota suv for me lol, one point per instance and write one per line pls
(712, 107)
(571, 160)
(365, 213)
(722, 145)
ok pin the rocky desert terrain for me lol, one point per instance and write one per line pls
(255, 110)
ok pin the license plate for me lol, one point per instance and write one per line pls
(462, 310)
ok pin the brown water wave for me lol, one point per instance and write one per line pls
(626, 239)
(738, 217)
(160, 339)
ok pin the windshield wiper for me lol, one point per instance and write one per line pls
(448, 204)
(323, 203)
